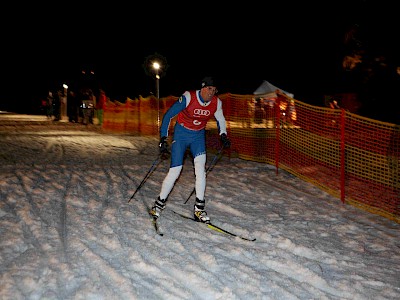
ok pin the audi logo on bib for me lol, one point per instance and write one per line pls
(201, 112)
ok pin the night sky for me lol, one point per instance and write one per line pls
(298, 47)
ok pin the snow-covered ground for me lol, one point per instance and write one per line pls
(69, 232)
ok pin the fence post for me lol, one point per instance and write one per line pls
(342, 156)
(278, 128)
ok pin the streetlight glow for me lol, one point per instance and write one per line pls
(156, 66)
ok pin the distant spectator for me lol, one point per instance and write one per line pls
(49, 105)
(100, 105)
(72, 106)
(259, 113)
(57, 105)
(87, 103)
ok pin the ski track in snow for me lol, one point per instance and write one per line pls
(69, 232)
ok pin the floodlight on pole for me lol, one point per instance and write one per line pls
(63, 100)
(156, 67)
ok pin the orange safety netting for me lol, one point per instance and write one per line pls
(351, 157)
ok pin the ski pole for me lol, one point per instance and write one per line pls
(153, 167)
(210, 167)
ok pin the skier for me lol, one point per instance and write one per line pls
(193, 110)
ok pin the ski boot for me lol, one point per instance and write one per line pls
(157, 208)
(200, 215)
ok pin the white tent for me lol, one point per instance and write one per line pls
(268, 90)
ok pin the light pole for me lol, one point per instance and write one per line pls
(64, 111)
(156, 67)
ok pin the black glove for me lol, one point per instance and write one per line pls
(163, 145)
(225, 141)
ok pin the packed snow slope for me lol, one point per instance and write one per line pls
(68, 230)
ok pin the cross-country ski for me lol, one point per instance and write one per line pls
(215, 227)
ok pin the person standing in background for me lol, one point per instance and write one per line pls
(49, 105)
(100, 105)
(72, 107)
(57, 105)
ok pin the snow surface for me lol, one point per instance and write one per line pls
(68, 230)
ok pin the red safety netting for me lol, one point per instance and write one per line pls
(351, 157)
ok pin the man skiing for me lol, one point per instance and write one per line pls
(193, 110)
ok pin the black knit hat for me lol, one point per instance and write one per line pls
(207, 81)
